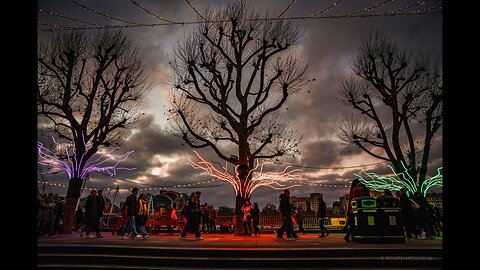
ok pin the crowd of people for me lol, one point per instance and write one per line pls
(50, 214)
(421, 219)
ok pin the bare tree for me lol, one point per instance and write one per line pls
(232, 76)
(89, 90)
(399, 95)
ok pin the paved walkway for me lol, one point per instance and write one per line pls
(230, 241)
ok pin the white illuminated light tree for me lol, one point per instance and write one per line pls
(244, 189)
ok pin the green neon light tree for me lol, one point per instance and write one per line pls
(400, 180)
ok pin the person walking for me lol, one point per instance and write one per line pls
(91, 212)
(192, 212)
(286, 211)
(406, 211)
(300, 217)
(142, 215)
(322, 215)
(205, 218)
(100, 208)
(132, 211)
(45, 212)
(255, 212)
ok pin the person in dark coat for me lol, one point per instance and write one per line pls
(132, 210)
(421, 216)
(407, 213)
(322, 215)
(192, 212)
(255, 212)
(356, 190)
(58, 215)
(286, 211)
(90, 215)
(300, 217)
(100, 208)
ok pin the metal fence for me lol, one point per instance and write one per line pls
(107, 222)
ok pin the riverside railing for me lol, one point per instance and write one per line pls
(310, 223)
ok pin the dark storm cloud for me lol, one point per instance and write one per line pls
(320, 153)
(152, 139)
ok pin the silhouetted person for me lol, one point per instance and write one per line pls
(407, 213)
(356, 190)
(212, 217)
(91, 212)
(421, 215)
(437, 222)
(132, 210)
(58, 213)
(365, 191)
(205, 218)
(255, 212)
(100, 208)
(52, 225)
(286, 211)
(322, 215)
(192, 212)
(300, 217)
(45, 211)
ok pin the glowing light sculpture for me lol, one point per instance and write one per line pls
(401, 180)
(244, 189)
(72, 165)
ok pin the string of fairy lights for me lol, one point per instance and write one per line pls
(360, 13)
(392, 182)
(198, 184)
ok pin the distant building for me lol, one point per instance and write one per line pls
(338, 209)
(308, 204)
(270, 210)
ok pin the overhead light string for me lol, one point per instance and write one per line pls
(129, 24)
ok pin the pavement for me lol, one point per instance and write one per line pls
(229, 251)
(231, 241)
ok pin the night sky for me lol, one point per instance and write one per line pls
(331, 46)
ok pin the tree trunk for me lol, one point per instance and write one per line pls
(73, 194)
(238, 217)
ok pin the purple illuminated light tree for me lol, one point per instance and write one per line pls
(74, 167)
(77, 165)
